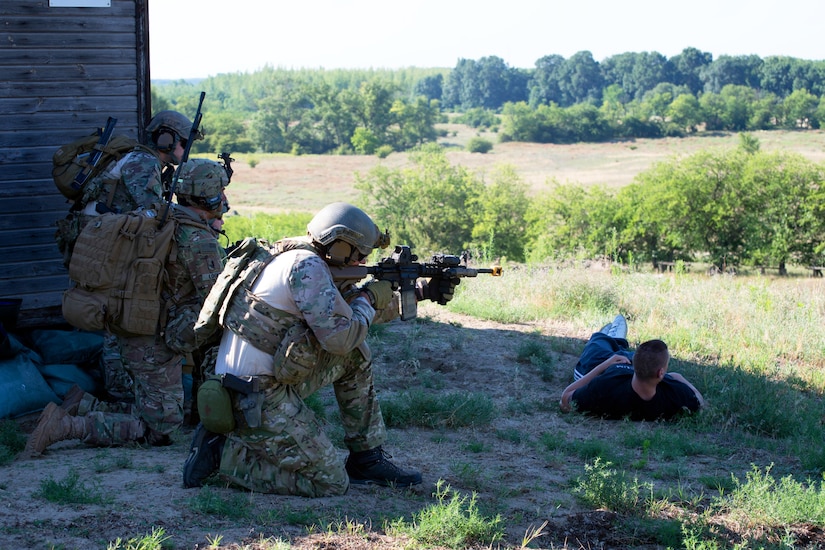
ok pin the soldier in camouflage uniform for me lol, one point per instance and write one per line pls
(134, 181)
(308, 337)
(154, 362)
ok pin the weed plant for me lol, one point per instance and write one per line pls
(71, 490)
(453, 522)
(604, 487)
(153, 541)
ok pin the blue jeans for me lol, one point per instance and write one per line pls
(599, 348)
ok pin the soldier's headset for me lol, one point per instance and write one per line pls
(166, 140)
(340, 252)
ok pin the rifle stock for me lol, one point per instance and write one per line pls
(402, 270)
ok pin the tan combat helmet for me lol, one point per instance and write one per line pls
(345, 231)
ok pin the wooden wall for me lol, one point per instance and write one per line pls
(64, 71)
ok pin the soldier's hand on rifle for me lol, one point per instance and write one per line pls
(437, 289)
(379, 292)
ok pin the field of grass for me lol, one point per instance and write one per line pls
(282, 183)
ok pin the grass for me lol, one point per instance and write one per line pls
(451, 410)
(153, 541)
(453, 521)
(225, 505)
(12, 441)
(71, 490)
(286, 183)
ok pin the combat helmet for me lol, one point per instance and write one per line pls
(343, 230)
(167, 128)
(172, 120)
(201, 184)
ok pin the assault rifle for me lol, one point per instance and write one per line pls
(193, 135)
(402, 269)
(94, 156)
(227, 165)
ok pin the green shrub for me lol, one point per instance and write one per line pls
(383, 151)
(479, 145)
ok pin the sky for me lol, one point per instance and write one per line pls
(200, 38)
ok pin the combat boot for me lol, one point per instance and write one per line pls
(55, 425)
(204, 456)
(373, 467)
(72, 399)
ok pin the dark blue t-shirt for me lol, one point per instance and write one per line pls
(611, 396)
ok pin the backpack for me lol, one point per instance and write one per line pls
(75, 163)
(119, 269)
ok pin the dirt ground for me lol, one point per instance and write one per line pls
(445, 353)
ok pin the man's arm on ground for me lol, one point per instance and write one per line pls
(679, 378)
(564, 404)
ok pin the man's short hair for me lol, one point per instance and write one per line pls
(650, 356)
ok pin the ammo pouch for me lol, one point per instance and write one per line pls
(215, 402)
(215, 406)
(297, 356)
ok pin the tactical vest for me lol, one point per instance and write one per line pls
(232, 304)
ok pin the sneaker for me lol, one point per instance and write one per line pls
(373, 467)
(617, 328)
(204, 457)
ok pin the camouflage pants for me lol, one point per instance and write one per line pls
(111, 424)
(158, 407)
(156, 371)
(289, 453)
(116, 380)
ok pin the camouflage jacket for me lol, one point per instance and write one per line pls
(198, 261)
(298, 293)
(137, 180)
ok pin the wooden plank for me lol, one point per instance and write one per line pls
(46, 317)
(47, 105)
(68, 40)
(102, 22)
(69, 73)
(44, 268)
(78, 120)
(26, 260)
(59, 136)
(33, 219)
(120, 88)
(59, 56)
(23, 288)
(26, 188)
(31, 236)
(29, 170)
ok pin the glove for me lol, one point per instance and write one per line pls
(436, 289)
(380, 293)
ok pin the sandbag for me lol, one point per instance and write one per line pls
(67, 346)
(23, 390)
(61, 378)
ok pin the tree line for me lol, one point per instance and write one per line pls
(560, 100)
(739, 207)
